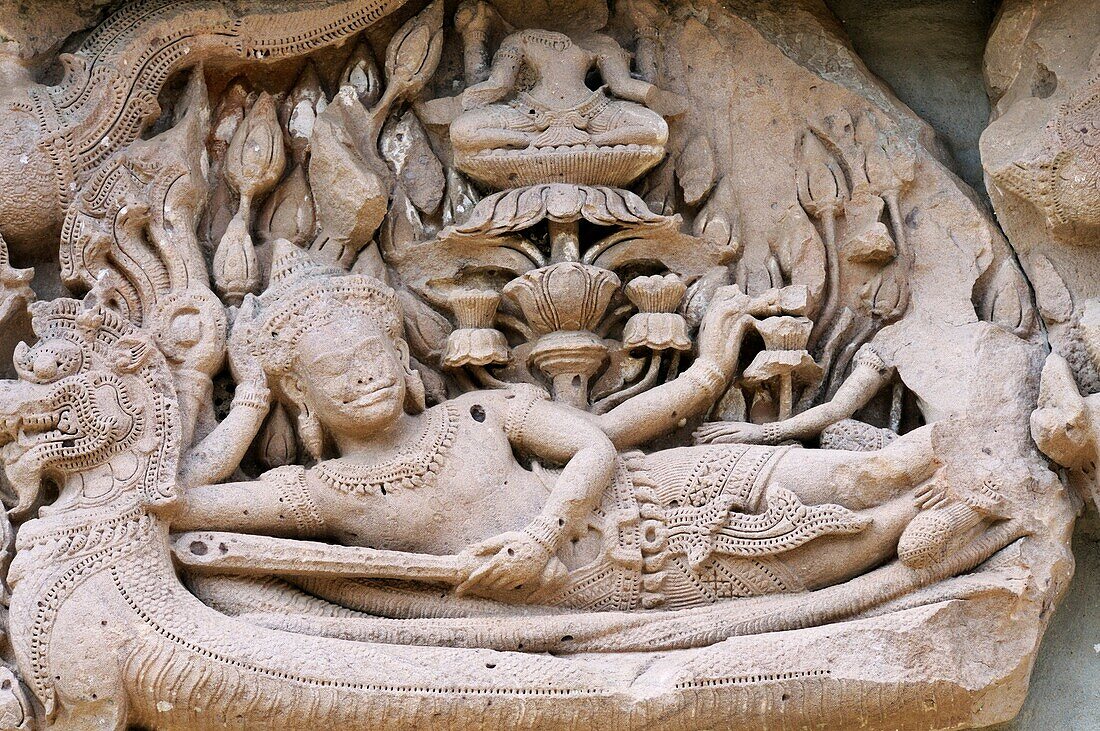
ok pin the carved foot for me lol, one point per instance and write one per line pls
(935, 533)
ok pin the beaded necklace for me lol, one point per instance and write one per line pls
(412, 467)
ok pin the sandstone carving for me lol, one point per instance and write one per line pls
(1041, 156)
(505, 365)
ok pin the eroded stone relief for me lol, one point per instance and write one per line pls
(1042, 156)
(493, 365)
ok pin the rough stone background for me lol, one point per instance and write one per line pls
(930, 53)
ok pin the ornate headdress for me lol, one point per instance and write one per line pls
(303, 295)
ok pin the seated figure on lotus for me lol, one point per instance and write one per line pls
(551, 126)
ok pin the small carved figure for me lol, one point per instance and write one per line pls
(557, 117)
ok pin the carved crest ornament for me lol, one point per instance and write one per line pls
(489, 365)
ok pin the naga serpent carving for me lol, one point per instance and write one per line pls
(54, 138)
(398, 523)
(106, 635)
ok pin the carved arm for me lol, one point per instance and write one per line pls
(561, 434)
(614, 66)
(662, 409)
(502, 76)
(868, 376)
(221, 451)
(277, 504)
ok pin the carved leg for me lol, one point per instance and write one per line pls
(858, 480)
(626, 123)
(492, 128)
(834, 559)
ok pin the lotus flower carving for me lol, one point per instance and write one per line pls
(563, 296)
(519, 209)
(656, 325)
(475, 342)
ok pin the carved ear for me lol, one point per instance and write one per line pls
(310, 430)
(415, 398)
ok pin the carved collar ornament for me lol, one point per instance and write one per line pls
(411, 468)
(561, 364)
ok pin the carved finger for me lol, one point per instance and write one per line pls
(474, 580)
(554, 573)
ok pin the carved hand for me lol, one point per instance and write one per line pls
(732, 432)
(724, 326)
(517, 562)
(481, 94)
(243, 363)
(666, 103)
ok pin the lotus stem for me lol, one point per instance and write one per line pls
(786, 396)
(905, 256)
(564, 241)
(487, 379)
(832, 268)
(606, 404)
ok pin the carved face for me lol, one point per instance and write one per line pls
(62, 416)
(351, 376)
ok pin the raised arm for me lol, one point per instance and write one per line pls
(221, 451)
(662, 409)
(869, 374)
(502, 76)
(614, 65)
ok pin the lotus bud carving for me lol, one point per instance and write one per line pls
(822, 185)
(361, 73)
(277, 445)
(414, 51)
(288, 212)
(785, 333)
(256, 156)
(299, 111)
(254, 162)
(236, 270)
(475, 342)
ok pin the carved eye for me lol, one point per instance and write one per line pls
(48, 361)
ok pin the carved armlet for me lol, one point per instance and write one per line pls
(707, 377)
(254, 397)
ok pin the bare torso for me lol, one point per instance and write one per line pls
(560, 67)
(471, 487)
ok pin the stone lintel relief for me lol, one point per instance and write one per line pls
(485, 365)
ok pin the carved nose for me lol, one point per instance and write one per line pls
(45, 366)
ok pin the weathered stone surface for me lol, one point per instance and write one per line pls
(631, 365)
(1041, 153)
